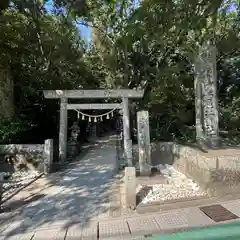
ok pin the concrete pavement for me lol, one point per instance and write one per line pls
(75, 204)
(80, 193)
(125, 227)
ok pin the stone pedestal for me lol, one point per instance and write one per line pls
(73, 148)
(130, 187)
(73, 143)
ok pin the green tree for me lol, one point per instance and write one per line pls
(38, 51)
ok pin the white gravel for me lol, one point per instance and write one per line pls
(177, 186)
(18, 180)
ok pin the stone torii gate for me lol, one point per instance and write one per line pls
(64, 95)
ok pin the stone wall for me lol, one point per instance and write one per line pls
(217, 171)
(19, 148)
(40, 154)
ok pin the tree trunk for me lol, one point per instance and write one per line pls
(6, 94)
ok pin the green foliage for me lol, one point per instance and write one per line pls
(151, 46)
(12, 131)
(154, 47)
(43, 52)
(4, 4)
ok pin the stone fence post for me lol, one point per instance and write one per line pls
(130, 187)
(48, 155)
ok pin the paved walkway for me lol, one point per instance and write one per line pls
(75, 205)
(136, 227)
(80, 194)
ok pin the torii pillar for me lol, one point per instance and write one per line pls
(63, 129)
(127, 143)
(64, 95)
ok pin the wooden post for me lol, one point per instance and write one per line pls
(126, 131)
(144, 143)
(63, 130)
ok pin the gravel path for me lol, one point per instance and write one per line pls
(177, 186)
(17, 181)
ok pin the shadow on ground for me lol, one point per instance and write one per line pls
(78, 194)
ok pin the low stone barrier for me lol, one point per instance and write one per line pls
(40, 155)
(216, 171)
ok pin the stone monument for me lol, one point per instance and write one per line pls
(144, 144)
(206, 102)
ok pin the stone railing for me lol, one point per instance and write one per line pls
(41, 155)
(216, 171)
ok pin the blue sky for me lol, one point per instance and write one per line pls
(85, 31)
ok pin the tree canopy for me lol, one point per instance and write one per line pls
(147, 44)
